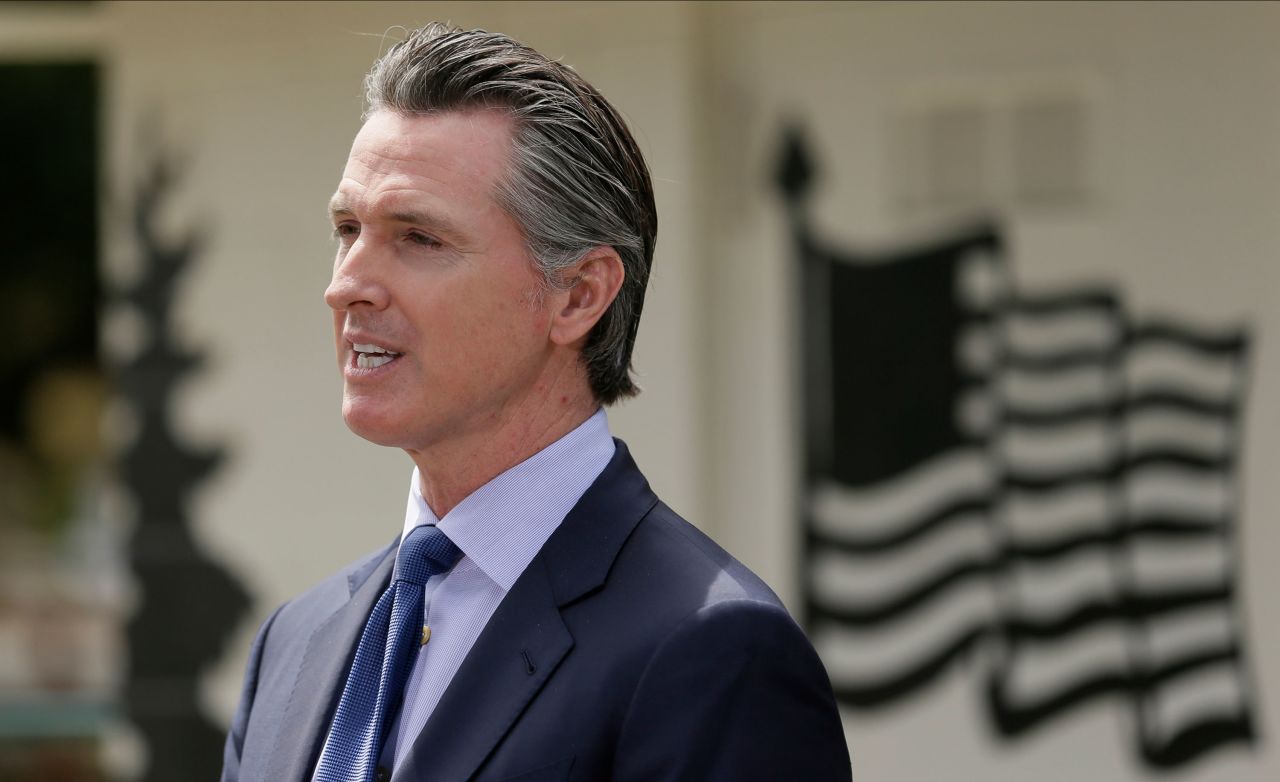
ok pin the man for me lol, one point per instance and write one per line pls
(495, 226)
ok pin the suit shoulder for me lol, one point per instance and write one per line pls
(726, 684)
(324, 597)
(681, 557)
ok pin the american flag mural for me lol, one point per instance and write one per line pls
(1037, 482)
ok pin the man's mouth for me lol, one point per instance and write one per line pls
(369, 356)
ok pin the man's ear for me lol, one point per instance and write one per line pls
(592, 284)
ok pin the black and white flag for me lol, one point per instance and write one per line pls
(1033, 478)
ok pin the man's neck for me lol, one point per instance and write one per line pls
(451, 472)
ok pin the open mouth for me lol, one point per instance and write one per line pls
(369, 356)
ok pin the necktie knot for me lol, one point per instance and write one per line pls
(426, 551)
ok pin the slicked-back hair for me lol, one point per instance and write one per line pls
(576, 180)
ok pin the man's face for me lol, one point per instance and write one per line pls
(430, 270)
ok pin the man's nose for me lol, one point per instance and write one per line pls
(357, 279)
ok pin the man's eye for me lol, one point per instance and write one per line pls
(422, 240)
(346, 232)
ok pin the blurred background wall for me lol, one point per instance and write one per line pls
(1133, 144)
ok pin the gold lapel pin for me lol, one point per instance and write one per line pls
(426, 635)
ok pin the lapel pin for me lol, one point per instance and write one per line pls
(426, 635)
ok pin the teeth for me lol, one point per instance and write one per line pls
(366, 361)
(369, 355)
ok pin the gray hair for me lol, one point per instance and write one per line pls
(577, 179)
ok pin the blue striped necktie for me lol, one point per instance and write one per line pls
(383, 660)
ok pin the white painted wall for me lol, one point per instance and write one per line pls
(1185, 222)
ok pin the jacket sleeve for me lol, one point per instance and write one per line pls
(240, 722)
(735, 694)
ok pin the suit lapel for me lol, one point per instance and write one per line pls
(494, 683)
(526, 639)
(322, 673)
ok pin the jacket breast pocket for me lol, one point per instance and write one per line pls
(556, 772)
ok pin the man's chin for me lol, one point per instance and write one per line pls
(377, 429)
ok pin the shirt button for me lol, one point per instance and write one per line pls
(382, 775)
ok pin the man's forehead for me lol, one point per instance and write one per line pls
(391, 137)
(396, 158)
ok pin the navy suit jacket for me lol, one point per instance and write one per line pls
(632, 648)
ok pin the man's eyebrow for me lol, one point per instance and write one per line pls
(410, 216)
(338, 206)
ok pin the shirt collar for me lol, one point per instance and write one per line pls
(502, 525)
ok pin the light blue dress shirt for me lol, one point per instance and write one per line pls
(500, 527)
